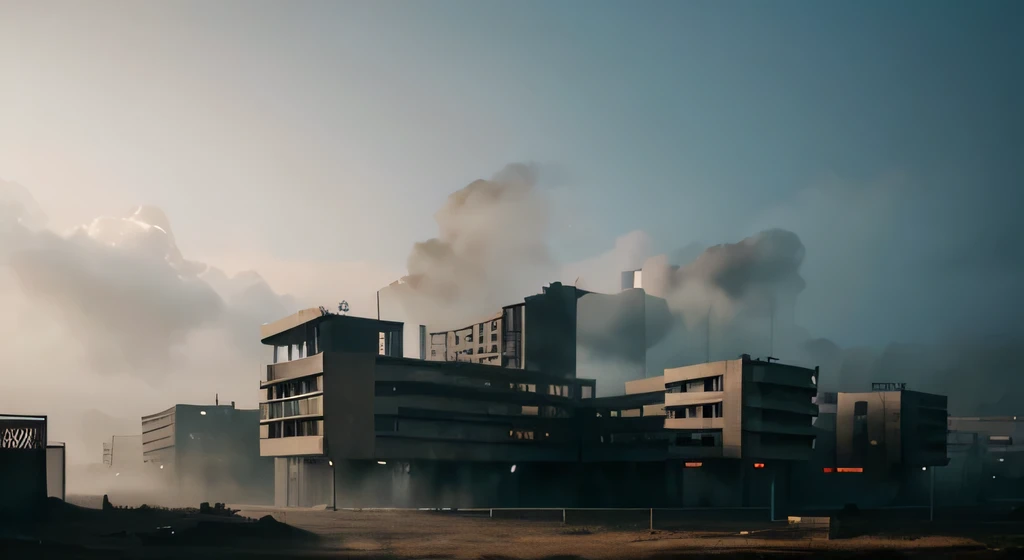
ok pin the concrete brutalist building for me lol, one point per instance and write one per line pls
(351, 423)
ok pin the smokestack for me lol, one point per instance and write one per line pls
(216, 399)
(232, 404)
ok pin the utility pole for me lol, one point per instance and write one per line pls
(773, 495)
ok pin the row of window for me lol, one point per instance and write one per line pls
(295, 388)
(706, 385)
(294, 428)
(696, 411)
(298, 407)
(480, 350)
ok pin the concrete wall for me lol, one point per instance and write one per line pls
(348, 405)
(303, 482)
(731, 422)
(56, 471)
(883, 428)
(550, 321)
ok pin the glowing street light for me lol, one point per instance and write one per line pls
(513, 469)
(202, 413)
(382, 462)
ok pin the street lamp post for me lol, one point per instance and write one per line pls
(334, 486)
(931, 495)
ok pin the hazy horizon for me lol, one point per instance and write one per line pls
(315, 142)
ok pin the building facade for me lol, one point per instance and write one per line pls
(354, 426)
(564, 331)
(206, 453)
(987, 457)
(23, 469)
(891, 429)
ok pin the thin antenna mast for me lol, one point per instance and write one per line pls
(378, 305)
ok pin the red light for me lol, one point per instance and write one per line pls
(827, 469)
(850, 469)
(693, 465)
(758, 465)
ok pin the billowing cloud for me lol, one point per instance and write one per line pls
(112, 316)
(491, 250)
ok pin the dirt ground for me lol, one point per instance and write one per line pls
(403, 534)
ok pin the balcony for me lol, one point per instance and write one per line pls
(294, 369)
(693, 398)
(290, 446)
(694, 423)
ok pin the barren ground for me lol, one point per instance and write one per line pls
(403, 534)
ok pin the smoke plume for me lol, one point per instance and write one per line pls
(491, 250)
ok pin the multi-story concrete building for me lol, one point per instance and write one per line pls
(207, 453)
(734, 409)
(890, 428)
(357, 424)
(481, 343)
(566, 332)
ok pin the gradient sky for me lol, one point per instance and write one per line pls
(888, 134)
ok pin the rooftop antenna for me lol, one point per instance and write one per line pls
(378, 305)
(343, 307)
(216, 399)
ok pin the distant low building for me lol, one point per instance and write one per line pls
(989, 450)
(209, 452)
(891, 429)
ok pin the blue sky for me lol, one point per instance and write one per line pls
(888, 134)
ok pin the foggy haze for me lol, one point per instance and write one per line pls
(865, 188)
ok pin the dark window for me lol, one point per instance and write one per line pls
(469, 351)
(469, 337)
(433, 352)
(481, 329)
(480, 350)
(709, 411)
(494, 337)
(494, 325)
(494, 348)
(456, 339)
(707, 441)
